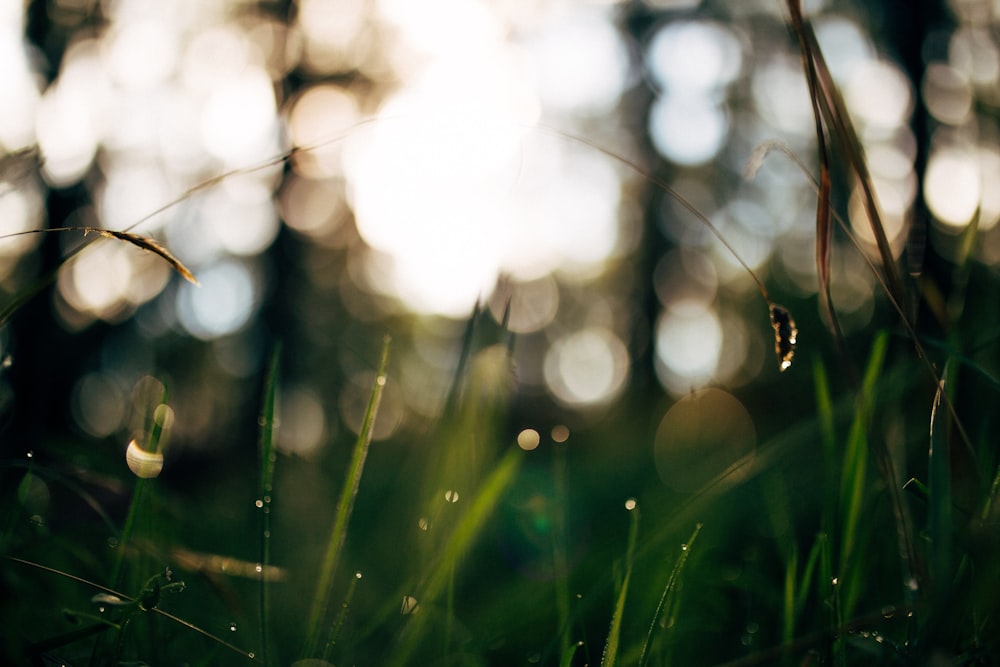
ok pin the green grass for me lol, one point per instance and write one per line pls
(863, 530)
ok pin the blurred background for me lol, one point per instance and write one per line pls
(396, 167)
(434, 171)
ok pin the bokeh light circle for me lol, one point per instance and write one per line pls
(586, 368)
(705, 435)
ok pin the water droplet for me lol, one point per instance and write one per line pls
(8, 361)
(630, 504)
(251, 655)
(380, 380)
(423, 523)
(31, 454)
(100, 610)
(684, 547)
(888, 611)
(912, 584)
(835, 581)
(232, 627)
(357, 575)
(267, 534)
(258, 568)
(258, 503)
(112, 542)
(451, 496)
(534, 658)
(267, 500)
(560, 433)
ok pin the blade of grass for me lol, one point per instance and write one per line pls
(854, 474)
(268, 431)
(669, 592)
(345, 506)
(613, 642)
(459, 542)
(790, 596)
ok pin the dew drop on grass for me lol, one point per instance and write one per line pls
(258, 503)
(888, 611)
(423, 524)
(232, 627)
(31, 454)
(112, 542)
(630, 504)
(258, 568)
(560, 433)
(835, 581)
(451, 496)
(250, 654)
(357, 575)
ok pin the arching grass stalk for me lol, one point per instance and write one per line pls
(345, 505)
(147, 601)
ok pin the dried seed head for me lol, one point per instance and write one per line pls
(785, 334)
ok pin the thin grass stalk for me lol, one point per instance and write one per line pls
(939, 502)
(835, 112)
(669, 593)
(152, 444)
(345, 506)
(268, 431)
(613, 644)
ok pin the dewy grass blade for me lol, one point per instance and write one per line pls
(459, 542)
(613, 643)
(268, 432)
(669, 592)
(345, 506)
